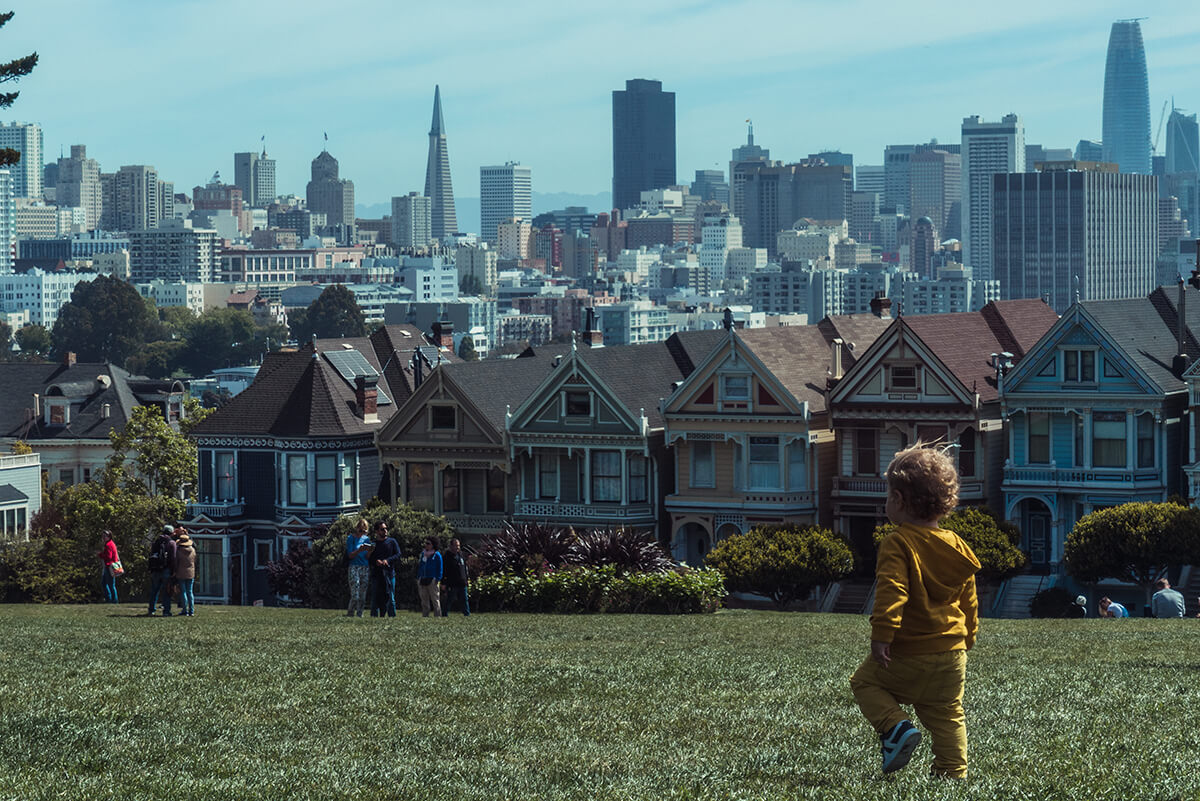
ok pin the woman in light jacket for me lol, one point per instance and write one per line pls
(185, 574)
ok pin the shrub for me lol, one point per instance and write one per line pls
(993, 541)
(1051, 602)
(289, 575)
(581, 590)
(782, 562)
(627, 550)
(527, 546)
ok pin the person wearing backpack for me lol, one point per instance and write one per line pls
(185, 574)
(161, 562)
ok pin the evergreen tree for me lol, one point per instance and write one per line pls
(466, 349)
(335, 313)
(106, 320)
(34, 341)
(13, 71)
(6, 336)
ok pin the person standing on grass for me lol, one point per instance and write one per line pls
(429, 577)
(108, 577)
(383, 572)
(925, 619)
(1167, 602)
(1110, 608)
(161, 563)
(455, 578)
(185, 574)
(358, 549)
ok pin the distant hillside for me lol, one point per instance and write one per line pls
(467, 208)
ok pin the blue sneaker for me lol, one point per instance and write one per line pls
(898, 745)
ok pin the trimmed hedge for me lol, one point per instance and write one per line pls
(575, 590)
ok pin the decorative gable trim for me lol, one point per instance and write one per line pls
(573, 371)
(866, 376)
(440, 385)
(699, 388)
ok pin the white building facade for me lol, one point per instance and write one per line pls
(988, 149)
(505, 192)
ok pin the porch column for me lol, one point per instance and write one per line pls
(1130, 441)
(624, 477)
(1087, 438)
(587, 475)
(520, 465)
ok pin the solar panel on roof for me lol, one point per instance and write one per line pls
(350, 364)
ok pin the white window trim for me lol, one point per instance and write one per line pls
(270, 553)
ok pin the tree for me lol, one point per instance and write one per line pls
(34, 341)
(1134, 542)
(782, 562)
(13, 71)
(176, 321)
(335, 313)
(157, 360)
(219, 338)
(470, 285)
(152, 458)
(993, 541)
(466, 349)
(6, 336)
(105, 320)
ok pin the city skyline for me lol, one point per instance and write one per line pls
(382, 81)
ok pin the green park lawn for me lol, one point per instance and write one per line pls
(99, 702)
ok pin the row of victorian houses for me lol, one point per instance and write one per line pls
(706, 434)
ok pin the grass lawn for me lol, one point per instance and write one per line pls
(97, 702)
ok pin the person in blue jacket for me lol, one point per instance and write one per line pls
(429, 577)
(383, 572)
(358, 572)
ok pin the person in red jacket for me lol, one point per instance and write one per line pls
(108, 555)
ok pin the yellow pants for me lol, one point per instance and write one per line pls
(933, 685)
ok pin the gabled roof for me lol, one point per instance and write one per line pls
(964, 342)
(496, 386)
(389, 349)
(858, 331)
(798, 356)
(1146, 330)
(642, 375)
(19, 382)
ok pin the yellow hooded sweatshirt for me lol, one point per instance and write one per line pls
(925, 599)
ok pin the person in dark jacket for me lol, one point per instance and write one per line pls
(383, 572)
(161, 563)
(454, 578)
(185, 574)
(429, 578)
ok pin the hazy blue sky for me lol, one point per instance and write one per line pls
(183, 84)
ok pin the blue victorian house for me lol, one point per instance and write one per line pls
(1093, 416)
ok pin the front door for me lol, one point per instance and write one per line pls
(1037, 529)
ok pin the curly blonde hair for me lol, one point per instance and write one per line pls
(926, 479)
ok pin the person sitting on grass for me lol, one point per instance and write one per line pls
(1078, 608)
(1167, 602)
(925, 618)
(1110, 608)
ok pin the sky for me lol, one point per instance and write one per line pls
(183, 84)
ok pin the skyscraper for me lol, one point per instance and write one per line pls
(1105, 239)
(332, 196)
(78, 184)
(443, 220)
(136, 198)
(243, 174)
(1126, 129)
(1183, 165)
(254, 174)
(505, 193)
(643, 140)
(26, 139)
(935, 183)
(776, 197)
(8, 221)
(742, 162)
(988, 148)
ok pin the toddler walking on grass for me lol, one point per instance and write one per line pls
(924, 621)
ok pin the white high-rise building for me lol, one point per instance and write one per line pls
(988, 149)
(505, 192)
(412, 221)
(514, 239)
(8, 223)
(79, 184)
(718, 235)
(174, 251)
(26, 139)
(42, 294)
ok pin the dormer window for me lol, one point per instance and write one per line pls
(442, 418)
(1079, 366)
(58, 412)
(735, 388)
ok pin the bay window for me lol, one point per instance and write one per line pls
(606, 476)
(764, 463)
(1108, 439)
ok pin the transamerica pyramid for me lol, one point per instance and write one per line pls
(437, 175)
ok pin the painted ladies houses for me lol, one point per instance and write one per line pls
(588, 444)
(64, 411)
(1093, 416)
(748, 428)
(446, 450)
(294, 450)
(931, 378)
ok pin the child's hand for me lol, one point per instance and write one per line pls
(881, 652)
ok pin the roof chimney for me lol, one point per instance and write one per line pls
(366, 395)
(591, 337)
(69, 359)
(836, 365)
(443, 334)
(727, 321)
(881, 306)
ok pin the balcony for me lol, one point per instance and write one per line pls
(747, 501)
(477, 523)
(1096, 477)
(876, 487)
(219, 510)
(594, 513)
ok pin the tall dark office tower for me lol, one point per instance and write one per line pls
(332, 196)
(643, 141)
(742, 162)
(1182, 165)
(1126, 132)
(439, 190)
(776, 197)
